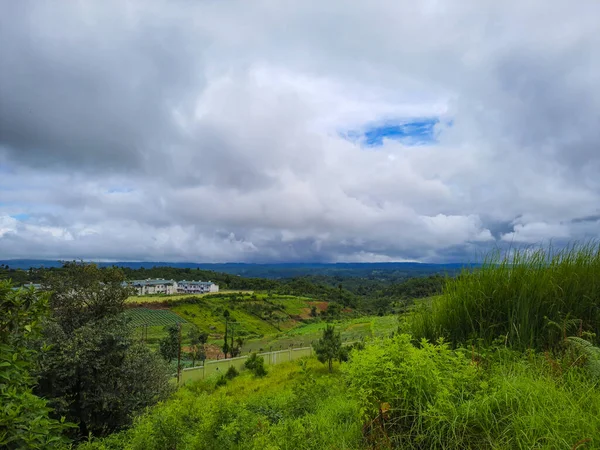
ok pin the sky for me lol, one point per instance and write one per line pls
(286, 131)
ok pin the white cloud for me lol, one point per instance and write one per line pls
(212, 131)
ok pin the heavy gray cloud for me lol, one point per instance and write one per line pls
(214, 131)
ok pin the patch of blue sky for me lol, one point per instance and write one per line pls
(21, 216)
(420, 131)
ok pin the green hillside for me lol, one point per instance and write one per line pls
(506, 358)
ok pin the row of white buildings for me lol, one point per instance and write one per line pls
(168, 287)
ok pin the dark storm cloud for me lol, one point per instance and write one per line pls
(82, 85)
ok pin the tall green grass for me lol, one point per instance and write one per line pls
(529, 298)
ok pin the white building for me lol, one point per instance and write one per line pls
(196, 287)
(156, 286)
(169, 287)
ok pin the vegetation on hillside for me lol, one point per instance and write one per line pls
(94, 373)
(486, 387)
(528, 299)
(25, 420)
(505, 358)
(370, 291)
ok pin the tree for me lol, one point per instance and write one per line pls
(95, 373)
(329, 347)
(313, 311)
(197, 340)
(333, 311)
(237, 349)
(25, 420)
(256, 364)
(169, 345)
(225, 343)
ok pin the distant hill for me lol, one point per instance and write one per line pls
(276, 271)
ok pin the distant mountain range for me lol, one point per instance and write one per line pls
(274, 271)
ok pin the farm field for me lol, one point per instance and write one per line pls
(305, 334)
(152, 317)
(263, 321)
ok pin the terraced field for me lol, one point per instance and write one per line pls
(263, 321)
(152, 317)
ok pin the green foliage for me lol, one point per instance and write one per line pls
(256, 364)
(95, 374)
(169, 345)
(197, 341)
(294, 407)
(429, 396)
(329, 347)
(231, 373)
(333, 311)
(24, 417)
(521, 297)
(590, 352)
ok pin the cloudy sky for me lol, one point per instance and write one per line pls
(278, 130)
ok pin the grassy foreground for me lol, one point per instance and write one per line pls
(393, 394)
(491, 364)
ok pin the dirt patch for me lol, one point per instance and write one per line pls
(213, 352)
(321, 306)
(305, 314)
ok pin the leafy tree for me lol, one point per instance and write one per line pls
(256, 364)
(169, 345)
(226, 347)
(197, 340)
(329, 347)
(333, 311)
(24, 417)
(95, 373)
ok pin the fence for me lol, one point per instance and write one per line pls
(221, 366)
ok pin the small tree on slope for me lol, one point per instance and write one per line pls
(329, 347)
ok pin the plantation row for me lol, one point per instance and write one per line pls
(152, 317)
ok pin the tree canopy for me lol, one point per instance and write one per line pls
(95, 373)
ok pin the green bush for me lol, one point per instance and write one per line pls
(532, 298)
(24, 417)
(256, 364)
(430, 396)
(231, 373)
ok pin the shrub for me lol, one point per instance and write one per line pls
(231, 373)
(24, 420)
(256, 364)
(433, 397)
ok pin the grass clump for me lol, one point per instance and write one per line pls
(429, 396)
(529, 298)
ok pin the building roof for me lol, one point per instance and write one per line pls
(151, 282)
(195, 283)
